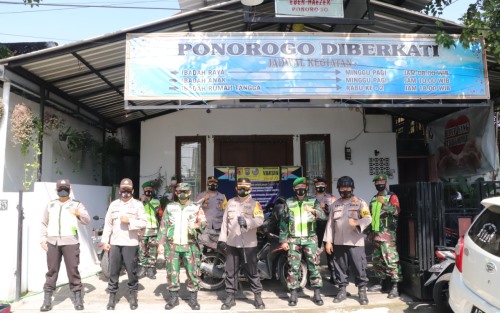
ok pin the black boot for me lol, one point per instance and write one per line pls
(173, 301)
(377, 287)
(133, 300)
(393, 293)
(258, 303)
(151, 272)
(317, 297)
(229, 302)
(193, 300)
(141, 271)
(111, 302)
(341, 295)
(78, 300)
(292, 301)
(363, 299)
(47, 301)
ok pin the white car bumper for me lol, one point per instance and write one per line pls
(462, 299)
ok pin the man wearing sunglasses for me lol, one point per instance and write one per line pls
(59, 238)
(124, 220)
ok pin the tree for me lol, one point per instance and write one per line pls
(481, 20)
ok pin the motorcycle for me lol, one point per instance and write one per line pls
(102, 255)
(440, 277)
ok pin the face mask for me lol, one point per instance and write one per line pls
(380, 187)
(183, 196)
(300, 192)
(212, 187)
(148, 193)
(125, 194)
(242, 193)
(63, 193)
(320, 189)
(345, 194)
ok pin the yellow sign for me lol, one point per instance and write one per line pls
(259, 173)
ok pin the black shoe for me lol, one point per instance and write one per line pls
(393, 293)
(111, 302)
(133, 300)
(229, 302)
(317, 297)
(141, 271)
(47, 301)
(341, 295)
(151, 272)
(377, 287)
(173, 301)
(363, 299)
(193, 300)
(78, 300)
(292, 301)
(258, 303)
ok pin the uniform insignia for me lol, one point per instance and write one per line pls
(257, 211)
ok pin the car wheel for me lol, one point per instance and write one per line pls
(441, 294)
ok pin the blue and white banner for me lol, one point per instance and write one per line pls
(211, 66)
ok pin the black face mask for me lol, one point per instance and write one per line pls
(320, 189)
(380, 187)
(300, 192)
(63, 193)
(148, 193)
(212, 187)
(345, 194)
(125, 194)
(183, 196)
(242, 193)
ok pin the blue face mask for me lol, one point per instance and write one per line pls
(63, 193)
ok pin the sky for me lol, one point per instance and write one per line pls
(54, 22)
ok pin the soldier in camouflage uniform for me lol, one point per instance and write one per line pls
(298, 236)
(181, 223)
(384, 208)
(147, 238)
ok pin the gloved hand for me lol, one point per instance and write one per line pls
(221, 245)
(242, 222)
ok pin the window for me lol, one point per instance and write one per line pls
(486, 230)
(190, 160)
(316, 160)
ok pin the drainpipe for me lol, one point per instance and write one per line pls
(3, 126)
(19, 266)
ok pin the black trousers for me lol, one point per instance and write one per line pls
(235, 257)
(71, 255)
(127, 255)
(345, 257)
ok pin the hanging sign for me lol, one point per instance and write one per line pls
(315, 8)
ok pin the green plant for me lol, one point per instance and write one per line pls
(52, 121)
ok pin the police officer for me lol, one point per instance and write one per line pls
(177, 240)
(349, 217)
(384, 208)
(238, 238)
(298, 237)
(325, 202)
(213, 203)
(123, 222)
(59, 238)
(147, 238)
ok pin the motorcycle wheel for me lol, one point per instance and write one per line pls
(440, 293)
(105, 264)
(302, 274)
(207, 281)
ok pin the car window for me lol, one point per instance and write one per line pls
(485, 231)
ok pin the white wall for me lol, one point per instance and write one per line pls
(34, 265)
(158, 137)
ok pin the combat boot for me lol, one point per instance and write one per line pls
(377, 287)
(363, 299)
(393, 293)
(258, 303)
(317, 297)
(173, 301)
(133, 300)
(229, 302)
(78, 300)
(193, 300)
(341, 295)
(111, 302)
(151, 272)
(47, 301)
(141, 271)
(292, 301)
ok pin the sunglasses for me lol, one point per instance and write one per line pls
(126, 190)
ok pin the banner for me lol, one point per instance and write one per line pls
(265, 182)
(212, 66)
(462, 143)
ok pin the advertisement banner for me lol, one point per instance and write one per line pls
(462, 143)
(265, 182)
(212, 66)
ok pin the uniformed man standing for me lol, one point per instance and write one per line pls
(147, 238)
(124, 220)
(59, 238)
(213, 203)
(238, 237)
(349, 217)
(385, 258)
(298, 237)
(181, 223)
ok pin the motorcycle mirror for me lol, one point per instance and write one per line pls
(95, 218)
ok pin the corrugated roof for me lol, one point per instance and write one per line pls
(90, 74)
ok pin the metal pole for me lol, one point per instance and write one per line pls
(20, 218)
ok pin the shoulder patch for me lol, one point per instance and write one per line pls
(257, 211)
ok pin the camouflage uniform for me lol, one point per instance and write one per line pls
(148, 242)
(298, 228)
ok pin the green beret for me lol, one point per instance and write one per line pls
(379, 177)
(147, 184)
(183, 186)
(299, 180)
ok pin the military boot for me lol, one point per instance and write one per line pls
(173, 301)
(317, 297)
(377, 287)
(111, 302)
(193, 300)
(78, 300)
(292, 301)
(229, 302)
(141, 271)
(363, 299)
(151, 272)
(393, 293)
(258, 303)
(47, 301)
(133, 300)
(341, 295)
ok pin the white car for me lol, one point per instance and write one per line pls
(475, 281)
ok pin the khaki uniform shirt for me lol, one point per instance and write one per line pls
(231, 233)
(62, 240)
(119, 234)
(213, 207)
